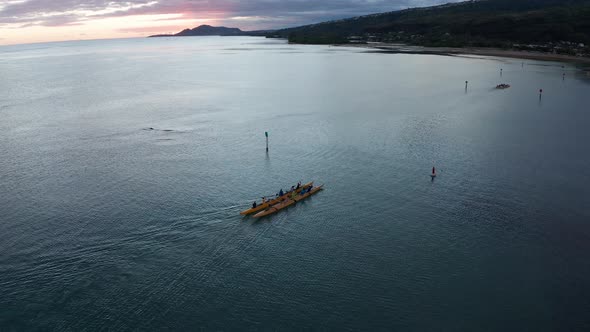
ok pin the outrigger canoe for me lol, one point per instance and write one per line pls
(272, 202)
(275, 208)
(307, 194)
(287, 202)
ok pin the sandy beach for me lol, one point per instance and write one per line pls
(409, 49)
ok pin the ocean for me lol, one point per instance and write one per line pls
(125, 164)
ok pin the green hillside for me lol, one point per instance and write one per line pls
(497, 23)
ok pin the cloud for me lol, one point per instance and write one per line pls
(253, 13)
(152, 30)
(63, 12)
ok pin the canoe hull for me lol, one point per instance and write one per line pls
(272, 202)
(276, 208)
(312, 192)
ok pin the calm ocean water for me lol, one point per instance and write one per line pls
(108, 225)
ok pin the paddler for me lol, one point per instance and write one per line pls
(293, 194)
(298, 185)
(254, 205)
(281, 193)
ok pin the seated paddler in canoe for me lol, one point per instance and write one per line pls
(254, 205)
(308, 192)
(280, 196)
(303, 194)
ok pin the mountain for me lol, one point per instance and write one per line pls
(207, 30)
(497, 23)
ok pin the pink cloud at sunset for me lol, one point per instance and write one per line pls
(28, 21)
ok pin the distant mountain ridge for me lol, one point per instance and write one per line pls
(207, 30)
(480, 23)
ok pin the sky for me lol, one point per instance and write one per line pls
(30, 21)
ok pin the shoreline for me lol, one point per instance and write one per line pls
(451, 51)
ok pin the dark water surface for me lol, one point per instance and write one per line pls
(108, 225)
